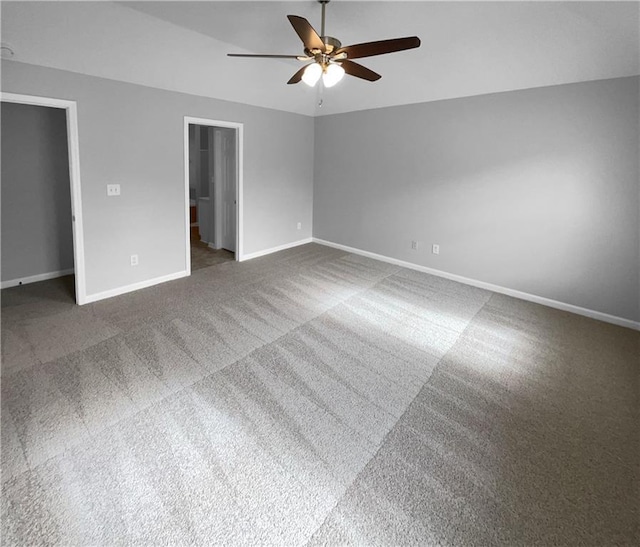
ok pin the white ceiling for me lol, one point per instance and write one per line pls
(468, 48)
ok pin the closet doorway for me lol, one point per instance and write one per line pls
(54, 245)
(213, 181)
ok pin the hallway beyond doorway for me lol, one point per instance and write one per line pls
(203, 256)
(215, 200)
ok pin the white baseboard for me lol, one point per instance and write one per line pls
(133, 287)
(34, 278)
(275, 249)
(211, 246)
(593, 314)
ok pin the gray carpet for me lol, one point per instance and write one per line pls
(314, 397)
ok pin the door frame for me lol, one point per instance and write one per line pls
(71, 109)
(239, 130)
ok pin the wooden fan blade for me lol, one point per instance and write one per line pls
(369, 49)
(359, 71)
(297, 76)
(261, 55)
(307, 33)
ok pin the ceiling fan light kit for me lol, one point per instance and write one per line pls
(331, 74)
(331, 61)
(312, 74)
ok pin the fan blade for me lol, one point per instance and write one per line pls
(307, 33)
(297, 76)
(359, 71)
(260, 55)
(369, 49)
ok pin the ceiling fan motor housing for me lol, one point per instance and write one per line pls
(332, 44)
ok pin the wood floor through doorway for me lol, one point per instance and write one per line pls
(203, 256)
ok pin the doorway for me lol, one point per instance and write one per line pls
(213, 182)
(57, 258)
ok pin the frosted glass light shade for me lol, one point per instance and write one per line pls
(312, 74)
(332, 75)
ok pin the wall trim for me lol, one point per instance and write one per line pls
(135, 286)
(264, 252)
(73, 144)
(34, 278)
(593, 314)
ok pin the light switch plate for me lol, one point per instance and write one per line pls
(113, 189)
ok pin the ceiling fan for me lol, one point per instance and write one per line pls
(330, 59)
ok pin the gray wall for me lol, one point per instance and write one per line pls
(36, 196)
(532, 190)
(133, 135)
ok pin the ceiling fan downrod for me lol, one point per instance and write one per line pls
(324, 5)
(329, 41)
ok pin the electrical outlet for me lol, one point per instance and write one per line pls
(134, 260)
(414, 245)
(435, 249)
(299, 225)
(113, 190)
